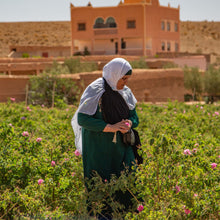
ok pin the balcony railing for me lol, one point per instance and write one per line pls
(106, 31)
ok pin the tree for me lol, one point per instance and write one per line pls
(193, 80)
(212, 82)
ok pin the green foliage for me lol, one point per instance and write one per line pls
(179, 145)
(139, 64)
(51, 89)
(212, 81)
(75, 66)
(193, 80)
(25, 55)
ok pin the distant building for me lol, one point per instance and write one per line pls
(134, 27)
(39, 51)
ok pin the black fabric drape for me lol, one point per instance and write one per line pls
(114, 109)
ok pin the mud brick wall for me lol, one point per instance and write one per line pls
(148, 85)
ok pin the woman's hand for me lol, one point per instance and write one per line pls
(122, 126)
(128, 123)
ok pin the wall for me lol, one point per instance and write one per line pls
(147, 85)
(13, 86)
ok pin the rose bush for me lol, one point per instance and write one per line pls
(42, 173)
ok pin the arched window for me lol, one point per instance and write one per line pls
(110, 22)
(99, 23)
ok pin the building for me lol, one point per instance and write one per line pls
(39, 51)
(133, 27)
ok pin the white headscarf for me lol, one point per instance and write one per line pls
(112, 72)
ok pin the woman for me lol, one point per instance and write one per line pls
(106, 112)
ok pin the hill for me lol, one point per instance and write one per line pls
(195, 37)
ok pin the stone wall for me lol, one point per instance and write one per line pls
(157, 85)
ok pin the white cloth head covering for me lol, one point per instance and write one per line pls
(112, 72)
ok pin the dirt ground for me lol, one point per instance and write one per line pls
(195, 37)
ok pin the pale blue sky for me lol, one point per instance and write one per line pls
(59, 10)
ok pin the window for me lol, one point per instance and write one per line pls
(168, 46)
(168, 26)
(162, 26)
(176, 27)
(162, 46)
(110, 22)
(99, 23)
(131, 24)
(81, 26)
(176, 47)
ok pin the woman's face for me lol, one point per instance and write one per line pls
(122, 82)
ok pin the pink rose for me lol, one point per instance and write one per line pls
(12, 99)
(40, 181)
(187, 152)
(28, 108)
(194, 150)
(53, 163)
(77, 153)
(140, 208)
(39, 140)
(73, 174)
(127, 124)
(214, 165)
(187, 211)
(216, 113)
(177, 189)
(25, 134)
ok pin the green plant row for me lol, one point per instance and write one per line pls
(42, 175)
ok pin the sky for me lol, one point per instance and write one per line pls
(59, 10)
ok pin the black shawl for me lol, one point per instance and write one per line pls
(114, 109)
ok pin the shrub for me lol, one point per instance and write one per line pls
(212, 81)
(139, 64)
(42, 178)
(50, 89)
(193, 80)
(75, 66)
(25, 55)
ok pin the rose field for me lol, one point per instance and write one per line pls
(42, 174)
